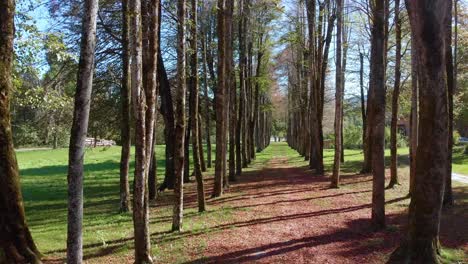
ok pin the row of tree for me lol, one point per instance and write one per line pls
(433, 83)
(241, 104)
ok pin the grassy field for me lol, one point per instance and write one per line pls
(44, 184)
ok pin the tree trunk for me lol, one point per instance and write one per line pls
(193, 82)
(16, 243)
(151, 22)
(338, 97)
(153, 169)
(220, 103)
(207, 103)
(180, 119)
(144, 50)
(428, 23)
(126, 114)
(200, 138)
(231, 77)
(78, 133)
(363, 103)
(396, 94)
(167, 111)
(448, 194)
(376, 112)
(414, 126)
(188, 132)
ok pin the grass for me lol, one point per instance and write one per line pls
(44, 185)
(354, 160)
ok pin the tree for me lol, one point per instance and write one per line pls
(16, 243)
(428, 24)
(180, 119)
(338, 97)
(376, 114)
(232, 93)
(414, 122)
(167, 111)
(206, 100)
(126, 114)
(396, 94)
(78, 133)
(144, 35)
(193, 82)
(220, 103)
(448, 194)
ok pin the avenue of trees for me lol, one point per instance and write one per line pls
(190, 73)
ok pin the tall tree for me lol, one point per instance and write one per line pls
(180, 119)
(126, 114)
(16, 243)
(150, 22)
(78, 133)
(231, 90)
(206, 99)
(421, 244)
(144, 43)
(338, 96)
(167, 111)
(395, 96)
(376, 113)
(414, 122)
(363, 101)
(448, 194)
(193, 82)
(220, 102)
(240, 102)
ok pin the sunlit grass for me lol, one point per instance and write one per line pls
(106, 231)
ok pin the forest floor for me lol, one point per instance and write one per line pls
(277, 212)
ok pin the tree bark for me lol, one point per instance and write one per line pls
(180, 119)
(231, 77)
(207, 102)
(220, 103)
(78, 133)
(414, 126)
(396, 93)
(167, 111)
(126, 114)
(16, 243)
(448, 194)
(153, 169)
(144, 31)
(363, 103)
(240, 102)
(338, 97)
(376, 112)
(200, 138)
(421, 245)
(193, 82)
(150, 22)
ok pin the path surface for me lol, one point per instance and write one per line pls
(290, 216)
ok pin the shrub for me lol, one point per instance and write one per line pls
(456, 138)
(25, 135)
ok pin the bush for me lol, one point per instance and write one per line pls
(352, 137)
(25, 135)
(456, 138)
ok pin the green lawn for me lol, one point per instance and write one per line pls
(44, 184)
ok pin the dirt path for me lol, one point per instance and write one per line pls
(289, 216)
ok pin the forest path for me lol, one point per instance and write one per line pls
(285, 214)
